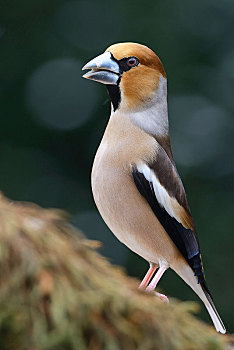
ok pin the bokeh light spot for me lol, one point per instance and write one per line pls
(198, 128)
(58, 97)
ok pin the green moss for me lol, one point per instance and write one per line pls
(57, 292)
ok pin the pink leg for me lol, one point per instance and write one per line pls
(154, 282)
(148, 275)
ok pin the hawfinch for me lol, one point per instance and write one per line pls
(135, 184)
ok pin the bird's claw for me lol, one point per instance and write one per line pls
(163, 297)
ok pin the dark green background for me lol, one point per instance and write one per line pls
(52, 120)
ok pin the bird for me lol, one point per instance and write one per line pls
(135, 183)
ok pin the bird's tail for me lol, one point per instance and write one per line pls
(209, 304)
(201, 289)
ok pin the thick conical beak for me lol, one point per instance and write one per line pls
(103, 69)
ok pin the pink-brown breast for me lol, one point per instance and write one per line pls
(122, 207)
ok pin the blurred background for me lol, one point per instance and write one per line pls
(52, 120)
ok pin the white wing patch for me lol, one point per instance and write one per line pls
(164, 199)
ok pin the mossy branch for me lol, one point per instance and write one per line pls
(58, 293)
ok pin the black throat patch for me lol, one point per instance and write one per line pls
(114, 93)
(114, 90)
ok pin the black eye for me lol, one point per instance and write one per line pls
(132, 61)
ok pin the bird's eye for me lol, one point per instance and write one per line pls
(132, 61)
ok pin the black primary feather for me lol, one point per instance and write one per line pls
(185, 239)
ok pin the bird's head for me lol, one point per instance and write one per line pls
(133, 74)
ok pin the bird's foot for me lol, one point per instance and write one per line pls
(163, 297)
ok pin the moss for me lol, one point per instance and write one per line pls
(57, 292)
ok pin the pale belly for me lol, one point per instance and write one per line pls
(127, 213)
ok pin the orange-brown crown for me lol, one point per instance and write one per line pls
(146, 56)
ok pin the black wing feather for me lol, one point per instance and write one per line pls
(185, 239)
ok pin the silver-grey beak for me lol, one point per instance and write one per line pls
(103, 69)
